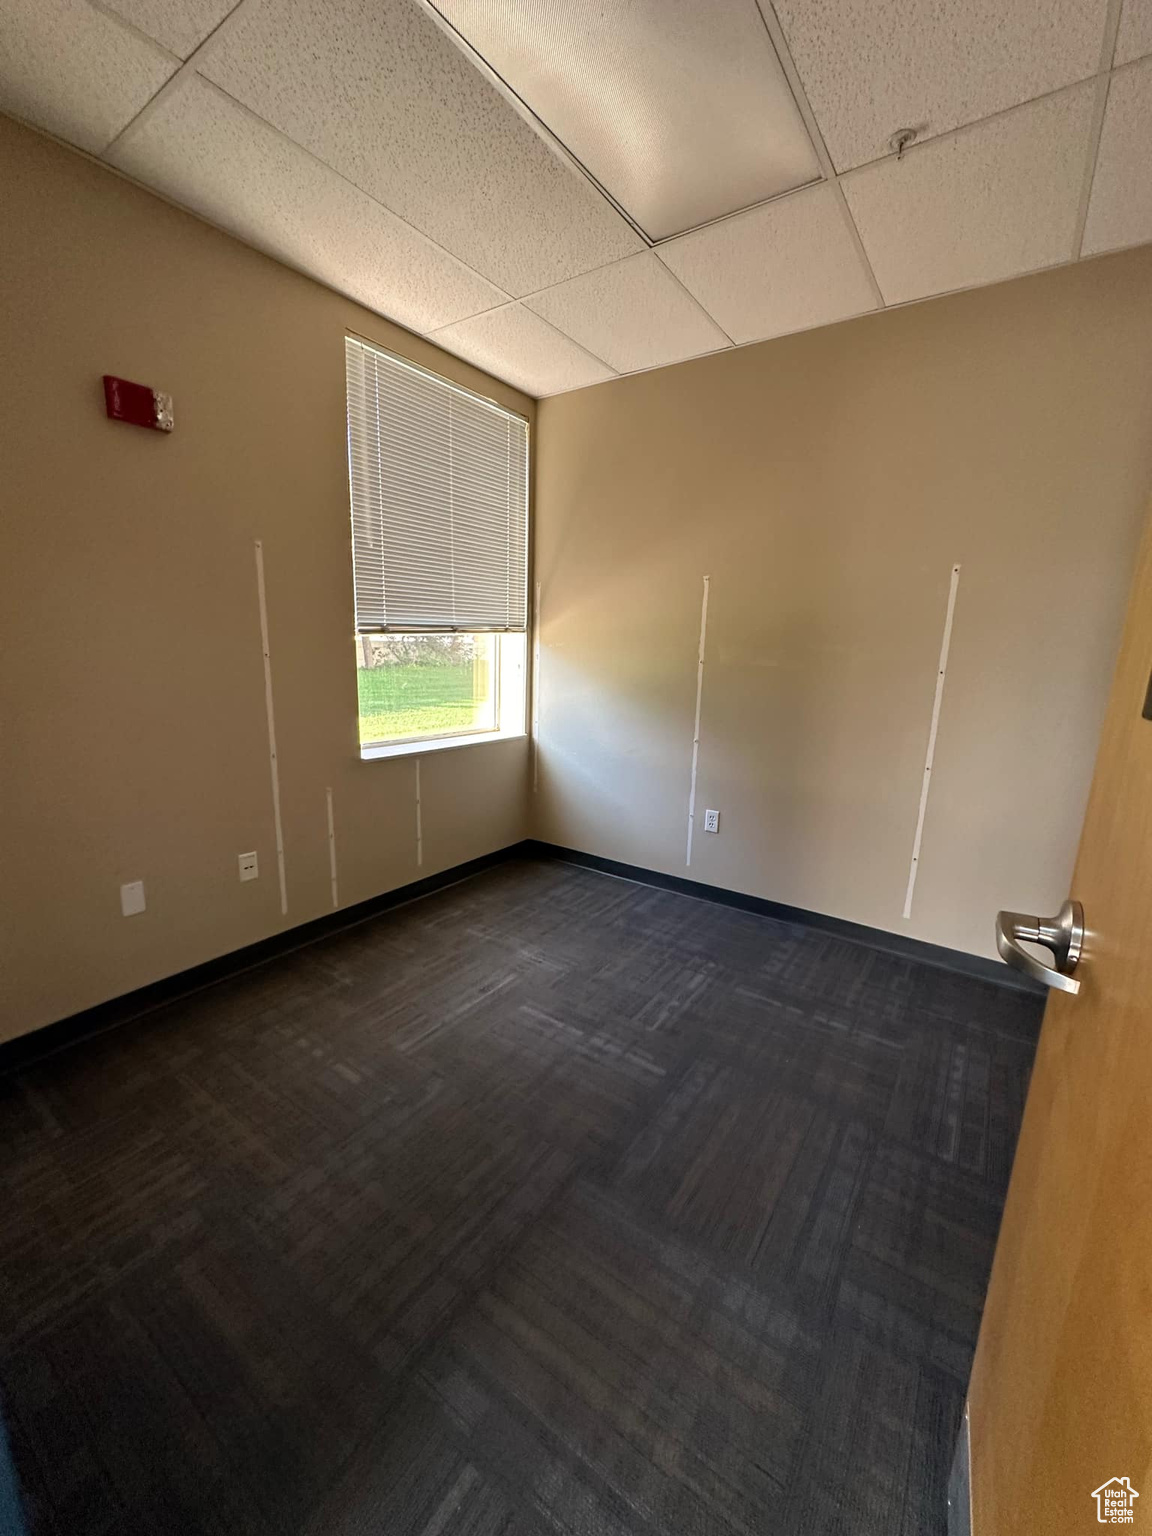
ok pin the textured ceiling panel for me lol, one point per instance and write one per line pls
(870, 68)
(784, 267)
(633, 315)
(181, 25)
(1134, 39)
(338, 130)
(524, 350)
(376, 89)
(1120, 212)
(68, 67)
(987, 203)
(204, 151)
(680, 110)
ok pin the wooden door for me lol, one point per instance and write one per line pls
(1061, 1393)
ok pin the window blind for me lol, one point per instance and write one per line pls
(439, 481)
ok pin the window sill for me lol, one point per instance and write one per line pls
(437, 744)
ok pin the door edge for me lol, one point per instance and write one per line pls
(960, 1482)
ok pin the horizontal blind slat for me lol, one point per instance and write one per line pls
(438, 481)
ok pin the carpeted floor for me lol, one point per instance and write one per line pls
(548, 1204)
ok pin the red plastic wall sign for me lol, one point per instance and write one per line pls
(137, 404)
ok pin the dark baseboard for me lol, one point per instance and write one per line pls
(120, 1010)
(856, 933)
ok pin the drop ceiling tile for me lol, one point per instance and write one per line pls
(524, 350)
(680, 110)
(1120, 211)
(987, 203)
(633, 315)
(376, 89)
(869, 69)
(209, 154)
(180, 25)
(785, 267)
(1134, 39)
(70, 68)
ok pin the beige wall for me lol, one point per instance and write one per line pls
(131, 677)
(827, 483)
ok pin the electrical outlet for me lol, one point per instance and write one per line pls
(132, 898)
(711, 821)
(249, 870)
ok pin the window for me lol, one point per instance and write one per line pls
(439, 485)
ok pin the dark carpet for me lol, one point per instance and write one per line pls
(550, 1203)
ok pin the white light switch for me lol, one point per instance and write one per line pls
(132, 898)
(248, 866)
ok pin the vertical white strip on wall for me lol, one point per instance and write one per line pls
(696, 726)
(931, 753)
(273, 765)
(332, 849)
(536, 691)
(419, 821)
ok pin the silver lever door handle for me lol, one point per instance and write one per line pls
(1062, 934)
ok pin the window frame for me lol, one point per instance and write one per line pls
(476, 730)
(413, 746)
(405, 746)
